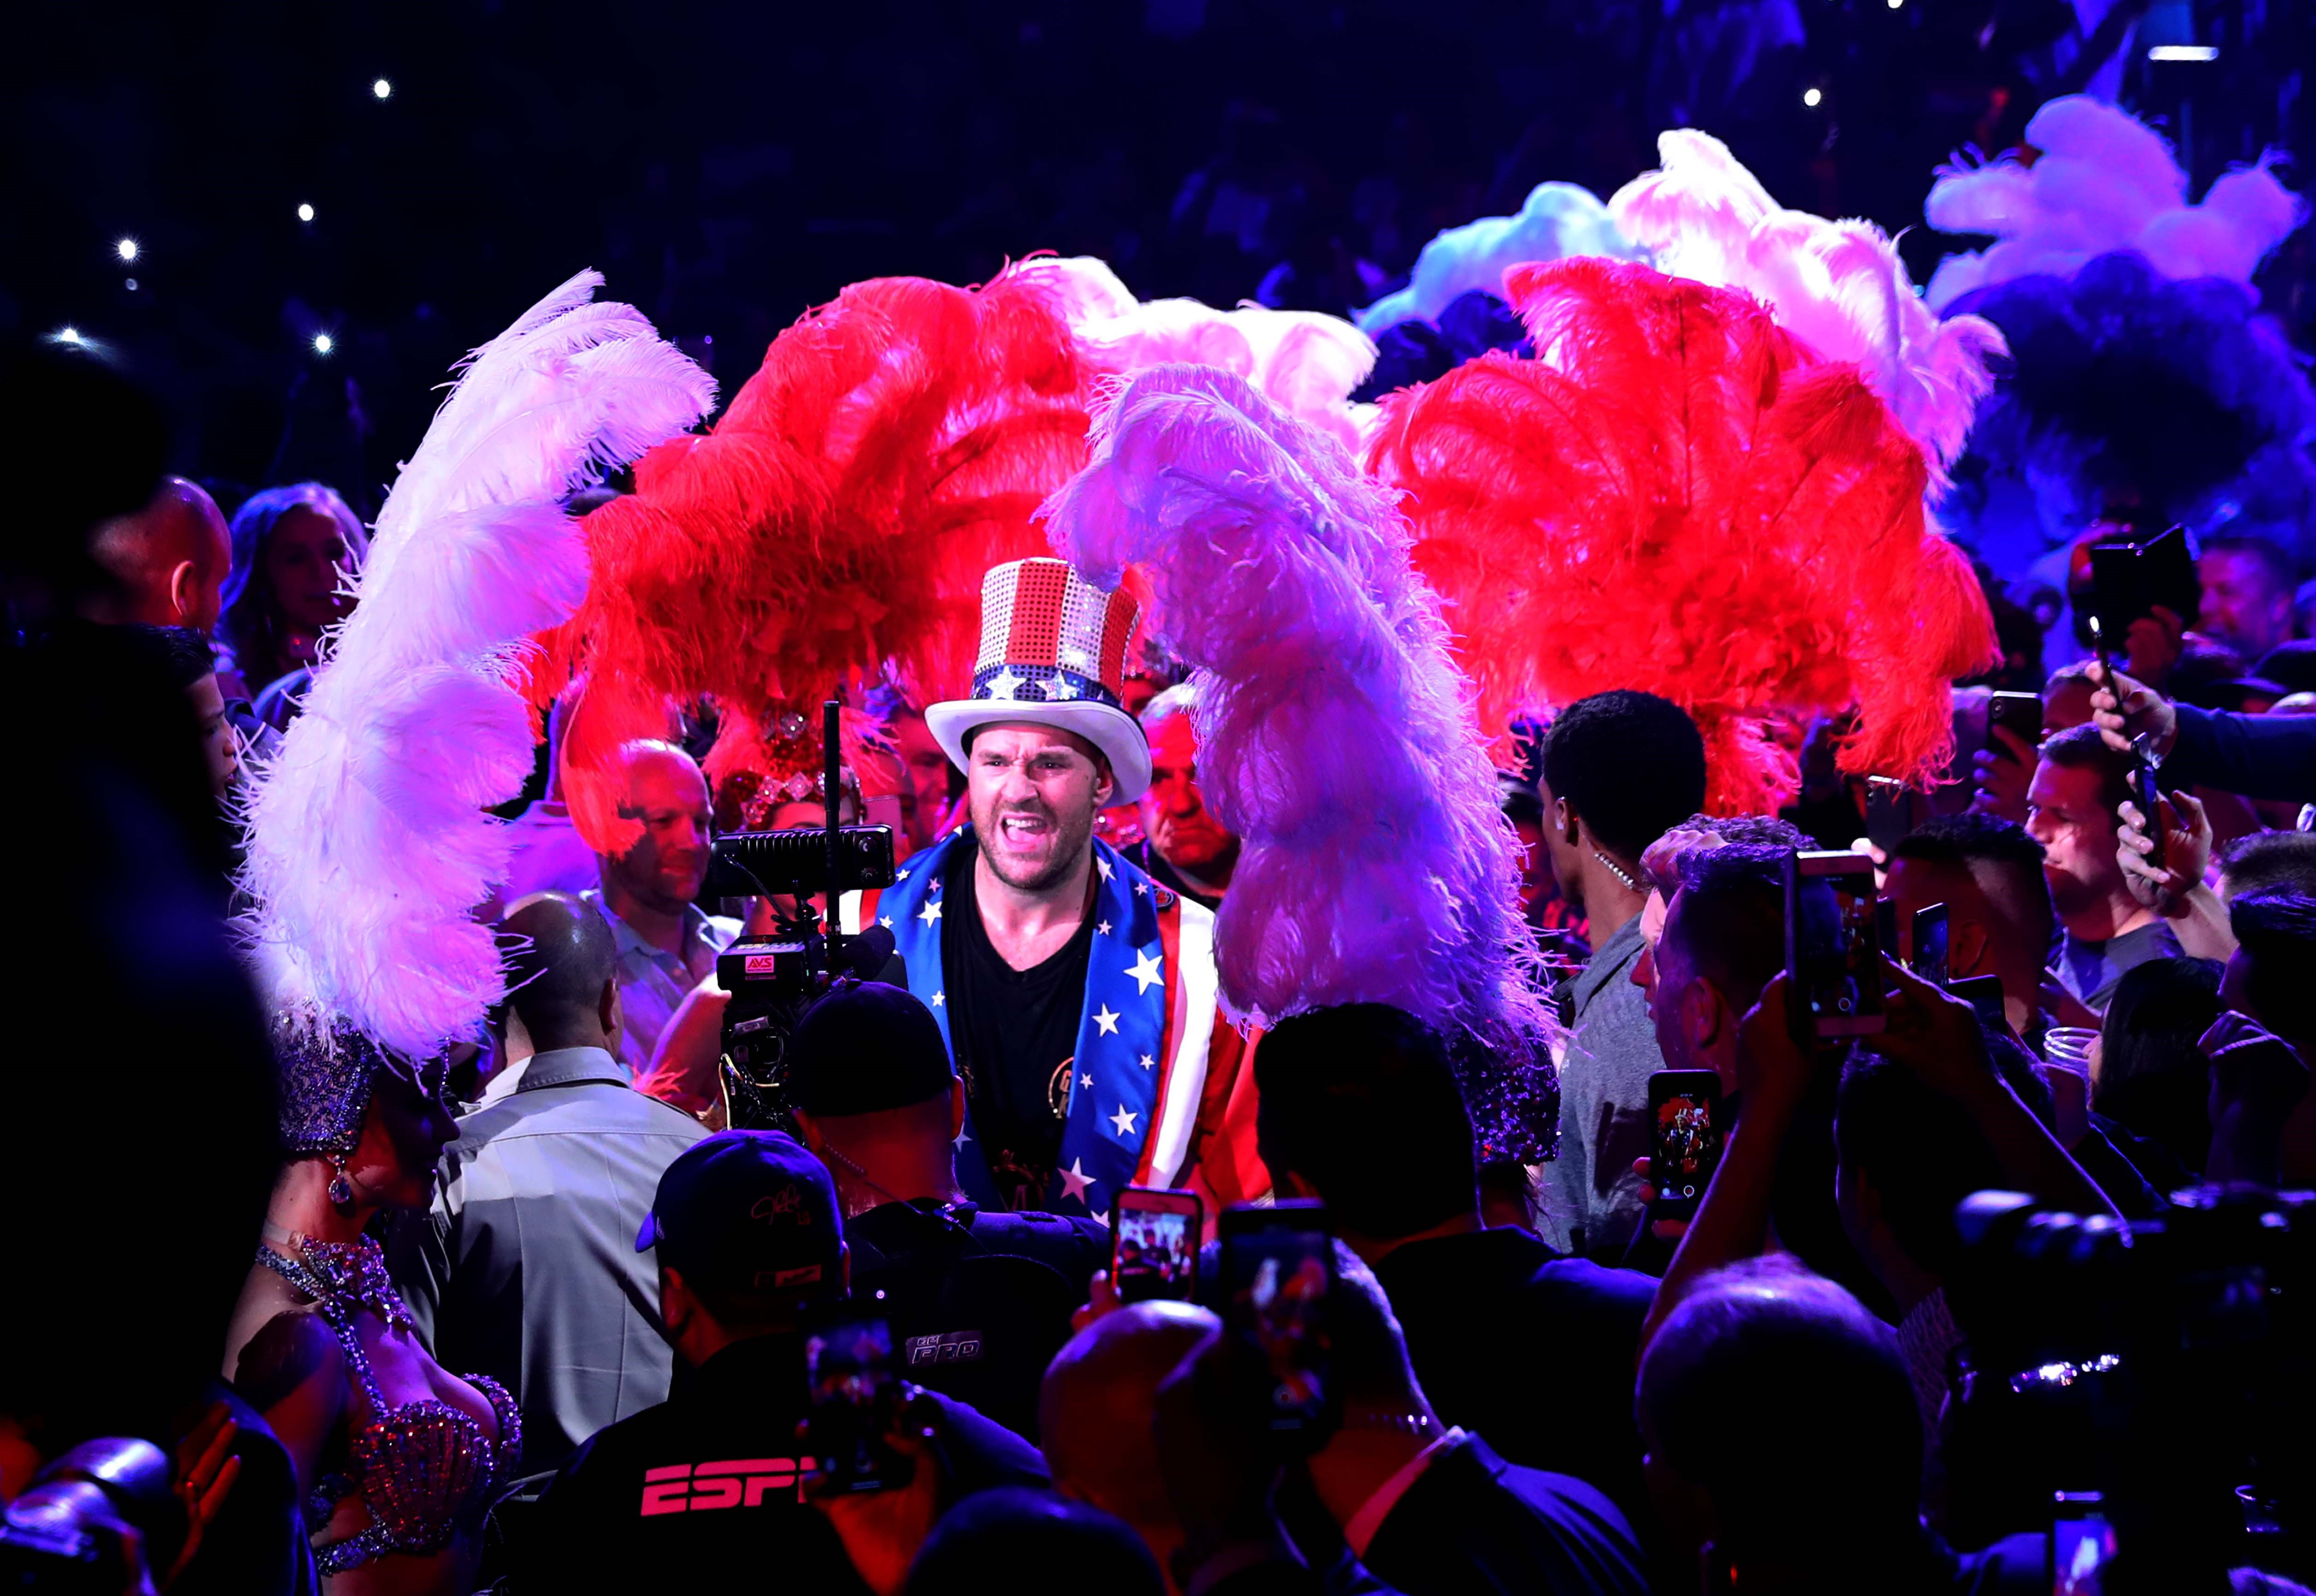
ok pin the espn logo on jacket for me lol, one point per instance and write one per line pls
(704, 1487)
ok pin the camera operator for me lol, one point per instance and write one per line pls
(985, 1297)
(1361, 1108)
(748, 1240)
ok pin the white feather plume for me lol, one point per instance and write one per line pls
(2100, 180)
(1335, 733)
(368, 845)
(1558, 219)
(1306, 362)
(1838, 286)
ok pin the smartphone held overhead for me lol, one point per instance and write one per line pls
(1686, 1135)
(1278, 1278)
(1154, 1251)
(854, 1394)
(1833, 953)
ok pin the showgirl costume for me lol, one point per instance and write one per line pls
(426, 1470)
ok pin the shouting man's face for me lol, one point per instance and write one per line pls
(1033, 791)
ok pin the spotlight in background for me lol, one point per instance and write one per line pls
(304, 213)
(126, 249)
(1812, 97)
(382, 89)
(68, 334)
(324, 343)
(2183, 52)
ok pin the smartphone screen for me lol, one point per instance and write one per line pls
(2082, 1544)
(853, 1396)
(1929, 957)
(1278, 1269)
(1686, 1135)
(1833, 952)
(2142, 784)
(1153, 1249)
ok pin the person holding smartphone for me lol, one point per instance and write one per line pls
(751, 1254)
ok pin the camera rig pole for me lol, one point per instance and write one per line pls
(830, 716)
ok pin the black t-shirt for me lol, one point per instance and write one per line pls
(1013, 1033)
(704, 1492)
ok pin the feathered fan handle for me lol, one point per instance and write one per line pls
(370, 843)
(1334, 736)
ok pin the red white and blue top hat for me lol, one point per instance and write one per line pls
(1053, 653)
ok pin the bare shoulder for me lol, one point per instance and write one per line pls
(293, 1349)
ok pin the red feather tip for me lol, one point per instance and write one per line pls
(837, 520)
(1677, 496)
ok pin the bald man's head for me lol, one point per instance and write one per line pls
(662, 787)
(564, 964)
(168, 561)
(1095, 1411)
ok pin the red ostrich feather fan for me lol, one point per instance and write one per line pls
(842, 514)
(1677, 496)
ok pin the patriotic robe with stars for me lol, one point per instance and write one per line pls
(1158, 1071)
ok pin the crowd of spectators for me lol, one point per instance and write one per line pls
(1844, 1367)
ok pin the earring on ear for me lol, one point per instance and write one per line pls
(342, 1190)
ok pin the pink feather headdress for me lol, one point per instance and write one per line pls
(1837, 286)
(369, 845)
(1334, 732)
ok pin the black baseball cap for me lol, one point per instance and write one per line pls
(748, 1211)
(864, 1048)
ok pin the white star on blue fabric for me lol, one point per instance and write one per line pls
(900, 875)
(1066, 688)
(885, 921)
(1001, 685)
(1105, 1020)
(1103, 866)
(940, 998)
(930, 912)
(963, 1136)
(1086, 1082)
(1147, 972)
(1148, 1062)
(1123, 1121)
(1103, 928)
(1074, 1181)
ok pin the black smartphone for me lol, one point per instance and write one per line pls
(852, 1395)
(1893, 811)
(1885, 922)
(1685, 1138)
(2018, 713)
(2142, 786)
(1928, 958)
(1279, 1272)
(1833, 953)
(1984, 993)
(2082, 1544)
(2131, 577)
(1153, 1246)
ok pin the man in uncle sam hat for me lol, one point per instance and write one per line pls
(1077, 995)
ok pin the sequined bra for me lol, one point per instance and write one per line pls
(425, 1468)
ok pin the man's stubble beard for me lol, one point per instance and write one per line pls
(1074, 842)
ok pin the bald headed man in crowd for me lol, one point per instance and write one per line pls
(168, 561)
(525, 1268)
(1094, 1415)
(667, 945)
